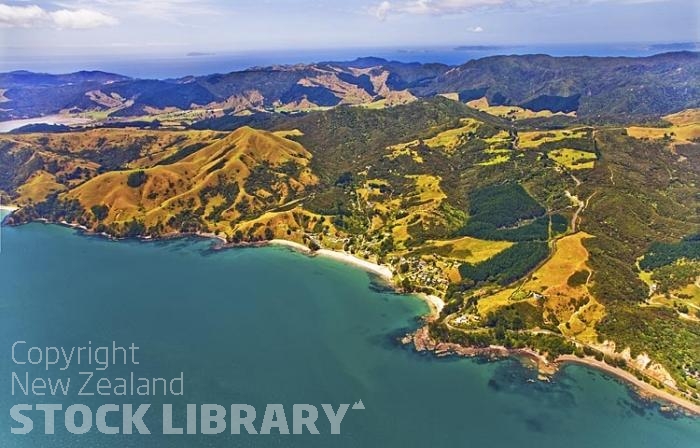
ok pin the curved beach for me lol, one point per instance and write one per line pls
(435, 303)
(644, 389)
(344, 257)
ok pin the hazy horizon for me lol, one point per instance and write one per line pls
(179, 64)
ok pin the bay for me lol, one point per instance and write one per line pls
(268, 325)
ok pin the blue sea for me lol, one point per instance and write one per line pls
(267, 325)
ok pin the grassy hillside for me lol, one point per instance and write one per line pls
(235, 178)
(53, 162)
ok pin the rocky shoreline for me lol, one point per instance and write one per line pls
(423, 342)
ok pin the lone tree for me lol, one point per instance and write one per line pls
(100, 211)
(136, 179)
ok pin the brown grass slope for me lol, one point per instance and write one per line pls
(240, 176)
(65, 160)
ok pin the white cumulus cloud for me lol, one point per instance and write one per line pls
(21, 15)
(476, 29)
(35, 16)
(81, 19)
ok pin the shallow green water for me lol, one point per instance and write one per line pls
(260, 326)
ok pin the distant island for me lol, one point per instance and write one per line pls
(199, 53)
(478, 48)
(555, 219)
(676, 46)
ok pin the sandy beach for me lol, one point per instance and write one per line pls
(291, 245)
(435, 303)
(382, 271)
(212, 236)
(645, 389)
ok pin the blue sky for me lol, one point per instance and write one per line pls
(176, 26)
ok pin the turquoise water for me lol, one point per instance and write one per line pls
(260, 326)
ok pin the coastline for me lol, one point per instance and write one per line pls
(642, 388)
(9, 209)
(423, 342)
(344, 257)
(380, 270)
(435, 303)
(290, 244)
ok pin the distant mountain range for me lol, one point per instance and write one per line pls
(588, 86)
